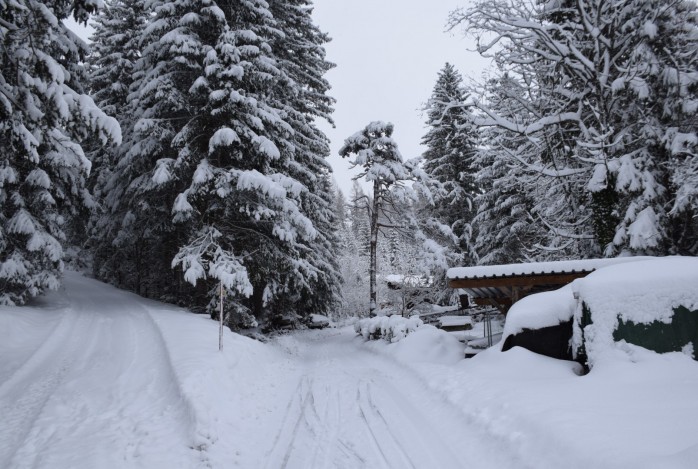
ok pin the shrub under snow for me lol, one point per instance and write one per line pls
(391, 328)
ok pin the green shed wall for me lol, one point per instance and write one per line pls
(662, 337)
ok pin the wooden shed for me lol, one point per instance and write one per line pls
(502, 285)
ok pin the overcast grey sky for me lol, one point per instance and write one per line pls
(388, 55)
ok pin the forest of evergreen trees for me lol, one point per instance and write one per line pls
(181, 151)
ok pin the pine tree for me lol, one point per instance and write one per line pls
(375, 151)
(45, 116)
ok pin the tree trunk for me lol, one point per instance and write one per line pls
(374, 247)
(257, 300)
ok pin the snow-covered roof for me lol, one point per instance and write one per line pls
(649, 289)
(535, 268)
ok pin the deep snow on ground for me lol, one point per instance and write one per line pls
(92, 377)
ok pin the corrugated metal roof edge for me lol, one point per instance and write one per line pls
(593, 264)
(532, 274)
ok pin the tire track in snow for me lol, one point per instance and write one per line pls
(296, 415)
(25, 394)
(385, 443)
(99, 392)
(310, 434)
(365, 411)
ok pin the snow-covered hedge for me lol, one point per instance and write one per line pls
(391, 328)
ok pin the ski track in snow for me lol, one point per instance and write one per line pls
(353, 409)
(98, 392)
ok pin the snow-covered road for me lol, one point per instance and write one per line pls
(93, 377)
(353, 408)
(96, 389)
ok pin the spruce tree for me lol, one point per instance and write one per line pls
(451, 143)
(45, 116)
(300, 55)
(222, 176)
(112, 62)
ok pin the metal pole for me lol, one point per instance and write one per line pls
(220, 322)
(488, 328)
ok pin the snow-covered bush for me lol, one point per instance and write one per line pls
(390, 328)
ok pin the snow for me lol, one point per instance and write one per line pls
(267, 147)
(95, 377)
(650, 29)
(544, 415)
(85, 383)
(643, 232)
(450, 321)
(391, 328)
(222, 138)
(409, 280)
(320, 320)
(530, 268)
(181, 204)
(540, 310)
(162, 173)
(640, 293)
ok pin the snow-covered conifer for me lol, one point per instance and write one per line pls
(374, 150)
(44, 117)
(114, 51)
(300, 56)
(451, 143)
(222, 174)
(598, 113)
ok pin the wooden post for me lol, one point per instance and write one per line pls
(515, 294)
(220, 322)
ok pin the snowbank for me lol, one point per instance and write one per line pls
(227, 390)
(391, 328)
(639, 413)
(426, 345)
(540, 310)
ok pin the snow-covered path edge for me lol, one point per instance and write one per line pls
(637, 410)
(87, 383)
(225, 389)
(484, 410)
